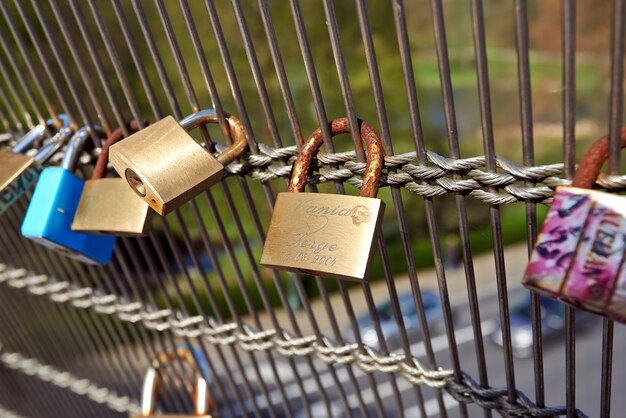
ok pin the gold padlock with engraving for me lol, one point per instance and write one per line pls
(19, 171)
(107, 205)
(167, 167)
(203, 403)
(327, 234)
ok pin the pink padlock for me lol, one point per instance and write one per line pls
(579, 255)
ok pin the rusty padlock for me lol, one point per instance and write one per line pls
(18, 171)
(579, 254)
(166, 167)
(107, 205)
(327, 234)
(203, 403)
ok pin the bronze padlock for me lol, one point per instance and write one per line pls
(18, 171)
(166, 167)
(107, 205)
(327, 234)
(203, 402)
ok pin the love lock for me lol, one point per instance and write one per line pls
(579, 255)
(166, 167)
(107, 205)
(323, 234)
(53, 205)
(203, 403)
(18, 171)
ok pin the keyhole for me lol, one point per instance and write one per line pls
(135, 182)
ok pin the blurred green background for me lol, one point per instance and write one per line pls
(592, 86)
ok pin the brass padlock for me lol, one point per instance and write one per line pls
(203, 403)
(18, 171)
(327, 234)
(167, 167)
(107, 205)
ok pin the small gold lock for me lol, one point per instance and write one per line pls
(327, 234)
(203, 403)
(166, 167)
(18, 171)
(107, 205)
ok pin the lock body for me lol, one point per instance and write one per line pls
(18, 173)
(108, 206)
(164, 165)
(50, 214)
(579, 254)
(323, 234)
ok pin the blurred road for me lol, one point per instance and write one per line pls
(588, 366)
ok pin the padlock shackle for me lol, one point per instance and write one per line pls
(593, 160)
(57, 142)
(76, 145)
(37, 133)
(151, 383)
(239, 134)
(373, 167)
(100, 170)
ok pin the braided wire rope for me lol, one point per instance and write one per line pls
(445, 175)
(65, 380)
(274, 340)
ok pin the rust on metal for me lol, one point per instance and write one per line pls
(373, 168)
(593, 160)
(99, 170)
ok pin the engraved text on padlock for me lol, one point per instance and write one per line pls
(327, 234)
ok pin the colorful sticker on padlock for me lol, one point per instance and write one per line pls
(598, 255)
(554, 250)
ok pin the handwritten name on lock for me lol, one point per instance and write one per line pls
(326, 234)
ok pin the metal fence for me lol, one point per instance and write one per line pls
(76, 339)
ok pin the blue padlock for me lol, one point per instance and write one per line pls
(51, 211)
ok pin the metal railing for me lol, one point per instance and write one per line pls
(76, 339)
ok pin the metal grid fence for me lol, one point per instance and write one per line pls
(76, 339)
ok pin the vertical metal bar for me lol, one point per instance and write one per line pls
(453, 143)
(528, 151)
(57, 85)
(162, 338)
(8, 51)
(10, 84)
(26, 56)
(569, 155)
(137, 61)
(283, 82)
(616, 109)
(375, 79)
(176, 110)
(19, 336)
(97, 63)
(24, 344)
(478, 26)
(256, 72)
(266, 18)
(36, 254)
(16, 120)
(82, 70)
(323, 123)
(569, 83)
(37, 305)
(193, 100)
(346, 91)
(82, 110)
